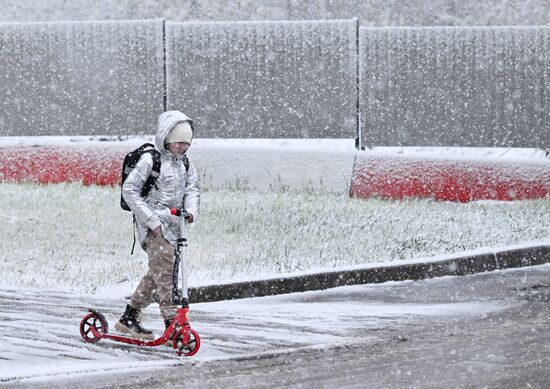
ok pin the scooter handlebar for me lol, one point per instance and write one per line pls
(177, 212)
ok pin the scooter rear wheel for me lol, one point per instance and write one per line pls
(95, 321)
(187, 342)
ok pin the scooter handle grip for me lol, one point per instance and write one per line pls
(177, 212)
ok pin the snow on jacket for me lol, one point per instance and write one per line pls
(176, 187)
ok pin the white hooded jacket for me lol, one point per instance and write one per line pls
(177, 188)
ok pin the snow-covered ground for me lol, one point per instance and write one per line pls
(228, 329)
(66, 247)
(41, 344)
(76, 238)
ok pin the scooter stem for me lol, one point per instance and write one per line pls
(181, 254)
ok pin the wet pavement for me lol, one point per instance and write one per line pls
(483, 330)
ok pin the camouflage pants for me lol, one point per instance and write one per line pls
(159, 277)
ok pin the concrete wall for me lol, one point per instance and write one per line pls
(81, 78)
(265, 79)
(455, 86)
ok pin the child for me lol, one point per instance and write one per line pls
(158, 230)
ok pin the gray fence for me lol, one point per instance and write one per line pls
(438, 86)
(81, 78)
(369, 12)
(265, 79)
(455, 86)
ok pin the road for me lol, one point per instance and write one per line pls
(486, 330)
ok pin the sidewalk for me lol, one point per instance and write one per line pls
(482, 330)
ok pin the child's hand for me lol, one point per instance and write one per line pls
(190, 218)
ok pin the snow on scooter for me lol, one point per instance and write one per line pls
(186, 341)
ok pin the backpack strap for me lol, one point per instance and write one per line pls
(134, 228)
(186, 162)
(155, 172)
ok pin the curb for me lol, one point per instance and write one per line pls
(531, 256)
(269, 166)
(274, 166)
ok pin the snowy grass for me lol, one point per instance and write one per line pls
(76, 238)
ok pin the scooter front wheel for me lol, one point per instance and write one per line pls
(187, 342)
(92, 320)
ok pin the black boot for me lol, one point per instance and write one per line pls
(167, 322)
(129, 324)
(170, 341)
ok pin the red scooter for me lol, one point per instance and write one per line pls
(186, 341)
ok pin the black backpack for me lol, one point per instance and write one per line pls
(130, 162)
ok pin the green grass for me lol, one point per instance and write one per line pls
(77, 238)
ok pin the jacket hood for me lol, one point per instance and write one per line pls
(167, 121)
